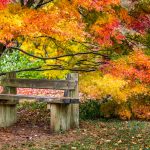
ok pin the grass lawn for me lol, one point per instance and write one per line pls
(113, 134)
(32, 133)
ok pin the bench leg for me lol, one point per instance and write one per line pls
(64, 117)
(60, 117)
(8, 115)
(74, 116)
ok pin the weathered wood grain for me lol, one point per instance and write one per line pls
(60, 117)
(39, 84)
(64, 117)
(14, 97)
(74, 119)
(64, 110)
(7, 115)
(8, 112)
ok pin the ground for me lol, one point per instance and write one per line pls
(32, 132)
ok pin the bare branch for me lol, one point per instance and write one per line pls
(57, 57)
(41, 3)
(49, 69)
(22, 70)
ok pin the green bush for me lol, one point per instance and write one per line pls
(90, 110)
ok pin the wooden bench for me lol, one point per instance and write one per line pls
(64, 110)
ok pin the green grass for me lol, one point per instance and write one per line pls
(116, 134)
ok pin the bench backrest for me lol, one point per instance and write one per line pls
(70, 84)
(40, 84)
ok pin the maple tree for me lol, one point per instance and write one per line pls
(80, 36)
(61, 33)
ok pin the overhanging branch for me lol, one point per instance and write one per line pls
(50, 69)
(57, 57)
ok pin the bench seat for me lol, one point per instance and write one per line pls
(16, 97)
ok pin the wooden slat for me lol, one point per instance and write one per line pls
(8, 111)
(74, 119)
(62, 100)
(39, 84)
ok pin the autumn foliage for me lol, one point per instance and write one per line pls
(135, 67)
(103, 40)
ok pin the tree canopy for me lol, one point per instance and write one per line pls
(102, 36)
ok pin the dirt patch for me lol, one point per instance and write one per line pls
(20, 135)
(33, 125)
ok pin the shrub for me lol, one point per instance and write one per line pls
(123, 111)
(140, 106)
(137, 107)
(90, 110)
(107, 109)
